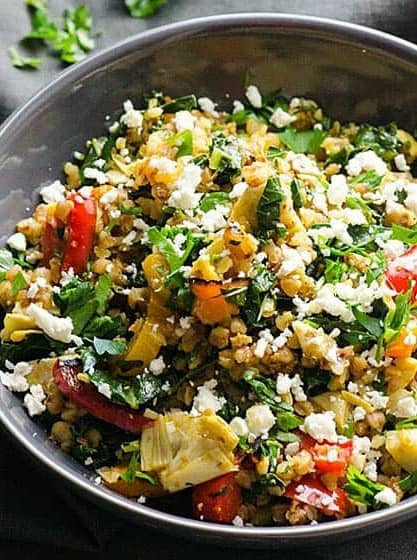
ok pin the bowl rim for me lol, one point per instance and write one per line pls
(188, 527)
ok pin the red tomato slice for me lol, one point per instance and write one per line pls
(402, 272)
(86, 396)
(80, 233)
(217, 500)
(310, 490)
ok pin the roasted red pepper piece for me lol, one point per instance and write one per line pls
(86, 396)
(80, 233)
(328, 457)
(402, 272)
(310, 490)
(217, 500)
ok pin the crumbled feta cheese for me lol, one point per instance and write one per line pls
(359, 414)
(238, 521)
(327, 301)
(353, 387)
(157, 366)
(238, 106)
(292, 448)
(208, 106)
(239, 426)
(283, 384)
(254, 96)
(129, 238)
(16, 380)
(89, 461)
(338, 190)
(386, 496)
(297, 389)
(184, 120)
(186, 322)
(238, 190)
(303, 164)
(406, 407)
(281, 118)
(34, 401)
(141, 500)
(104, 389)
(377, 399)
(392, 248)
(67, 276)
(260, 419)
(163, 165)
(366, 161)
(401, 163)
(17, 241)
(58, 328)
(293, 260)
(131, 117)
(184, 195)
(361, 445)
(35, 286)
(207, 398)
(96, 174)
(55, 192)
(321, 426)
(215, 219)
(336, 229)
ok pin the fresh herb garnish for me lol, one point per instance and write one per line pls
(21, 61)
(213, 199)
(18, 283)
(409, 483)
(132, 472)
(304, 141)
(184, 142)
(268, 209)
(360, 488)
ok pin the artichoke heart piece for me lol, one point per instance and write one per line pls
(402, 446)
(186, 450)
(17, 326)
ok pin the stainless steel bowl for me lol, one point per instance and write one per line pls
(355, 72)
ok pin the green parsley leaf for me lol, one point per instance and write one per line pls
(304, 141)
(133, 392)
(404, 234)
(409, 483)
(143, 8)
(164, 239)
(184, 141)
(274, 153)
(110, 347)
(6, 262)
(407, 424)
(20, 61)
(360, 488)
(370, 178)
(372, 325)
(18, 284)
(268, 209)
(213, 199)
(382, 140)
(184, 103)
(397, 317)
(130, 210)
(297, 193)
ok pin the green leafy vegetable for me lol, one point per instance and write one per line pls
(184, 103)
(130, 210)
(258, 290)
(18, 284)
(397, 317)
(382, 140)
(297, 193)
(225, 158)
(409, 483)
(111, 347)
(268, 209)
(404, 234)
(132, 472)
(20, 61)
(407, 424)
(371, 324)
(334, 270)
(184, 141)
(304, 141)
(270, 448)
(316, 381)
(33, 347)
(164, 239)
(133, 392)
(360, 488)
(143, 8)
(213, 199)
(370, 178)
(274, 153)
(6, 262)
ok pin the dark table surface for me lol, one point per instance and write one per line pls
(40, 516)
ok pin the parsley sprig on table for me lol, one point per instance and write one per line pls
(143, 8)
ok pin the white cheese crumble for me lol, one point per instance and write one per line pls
(260, 419)
(293, 260)
(207, 398)
(377, 399)
(104, 389)
(406, 407)
(239, 426)
(303, 164)
(254, 96)
(338, 190)
(34, 401)
(292, 448)
(131, 117)
(16, 380)
(359, 414)
(208, 106)
(58, 328)
(283, 384)
(366, 161)
(281, 118)
(386, 496)
(55, 192)
(238, 521)
(401, 163)
(184, 195)
(215, 219)
(157, 366)
(321, 426)
(17, 241)
(238, 106)
(96, 174)
(184, 120)
(238, 190)
(163, 164)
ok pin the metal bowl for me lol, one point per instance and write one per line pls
(354, 72)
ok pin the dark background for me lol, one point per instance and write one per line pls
(38, 515)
